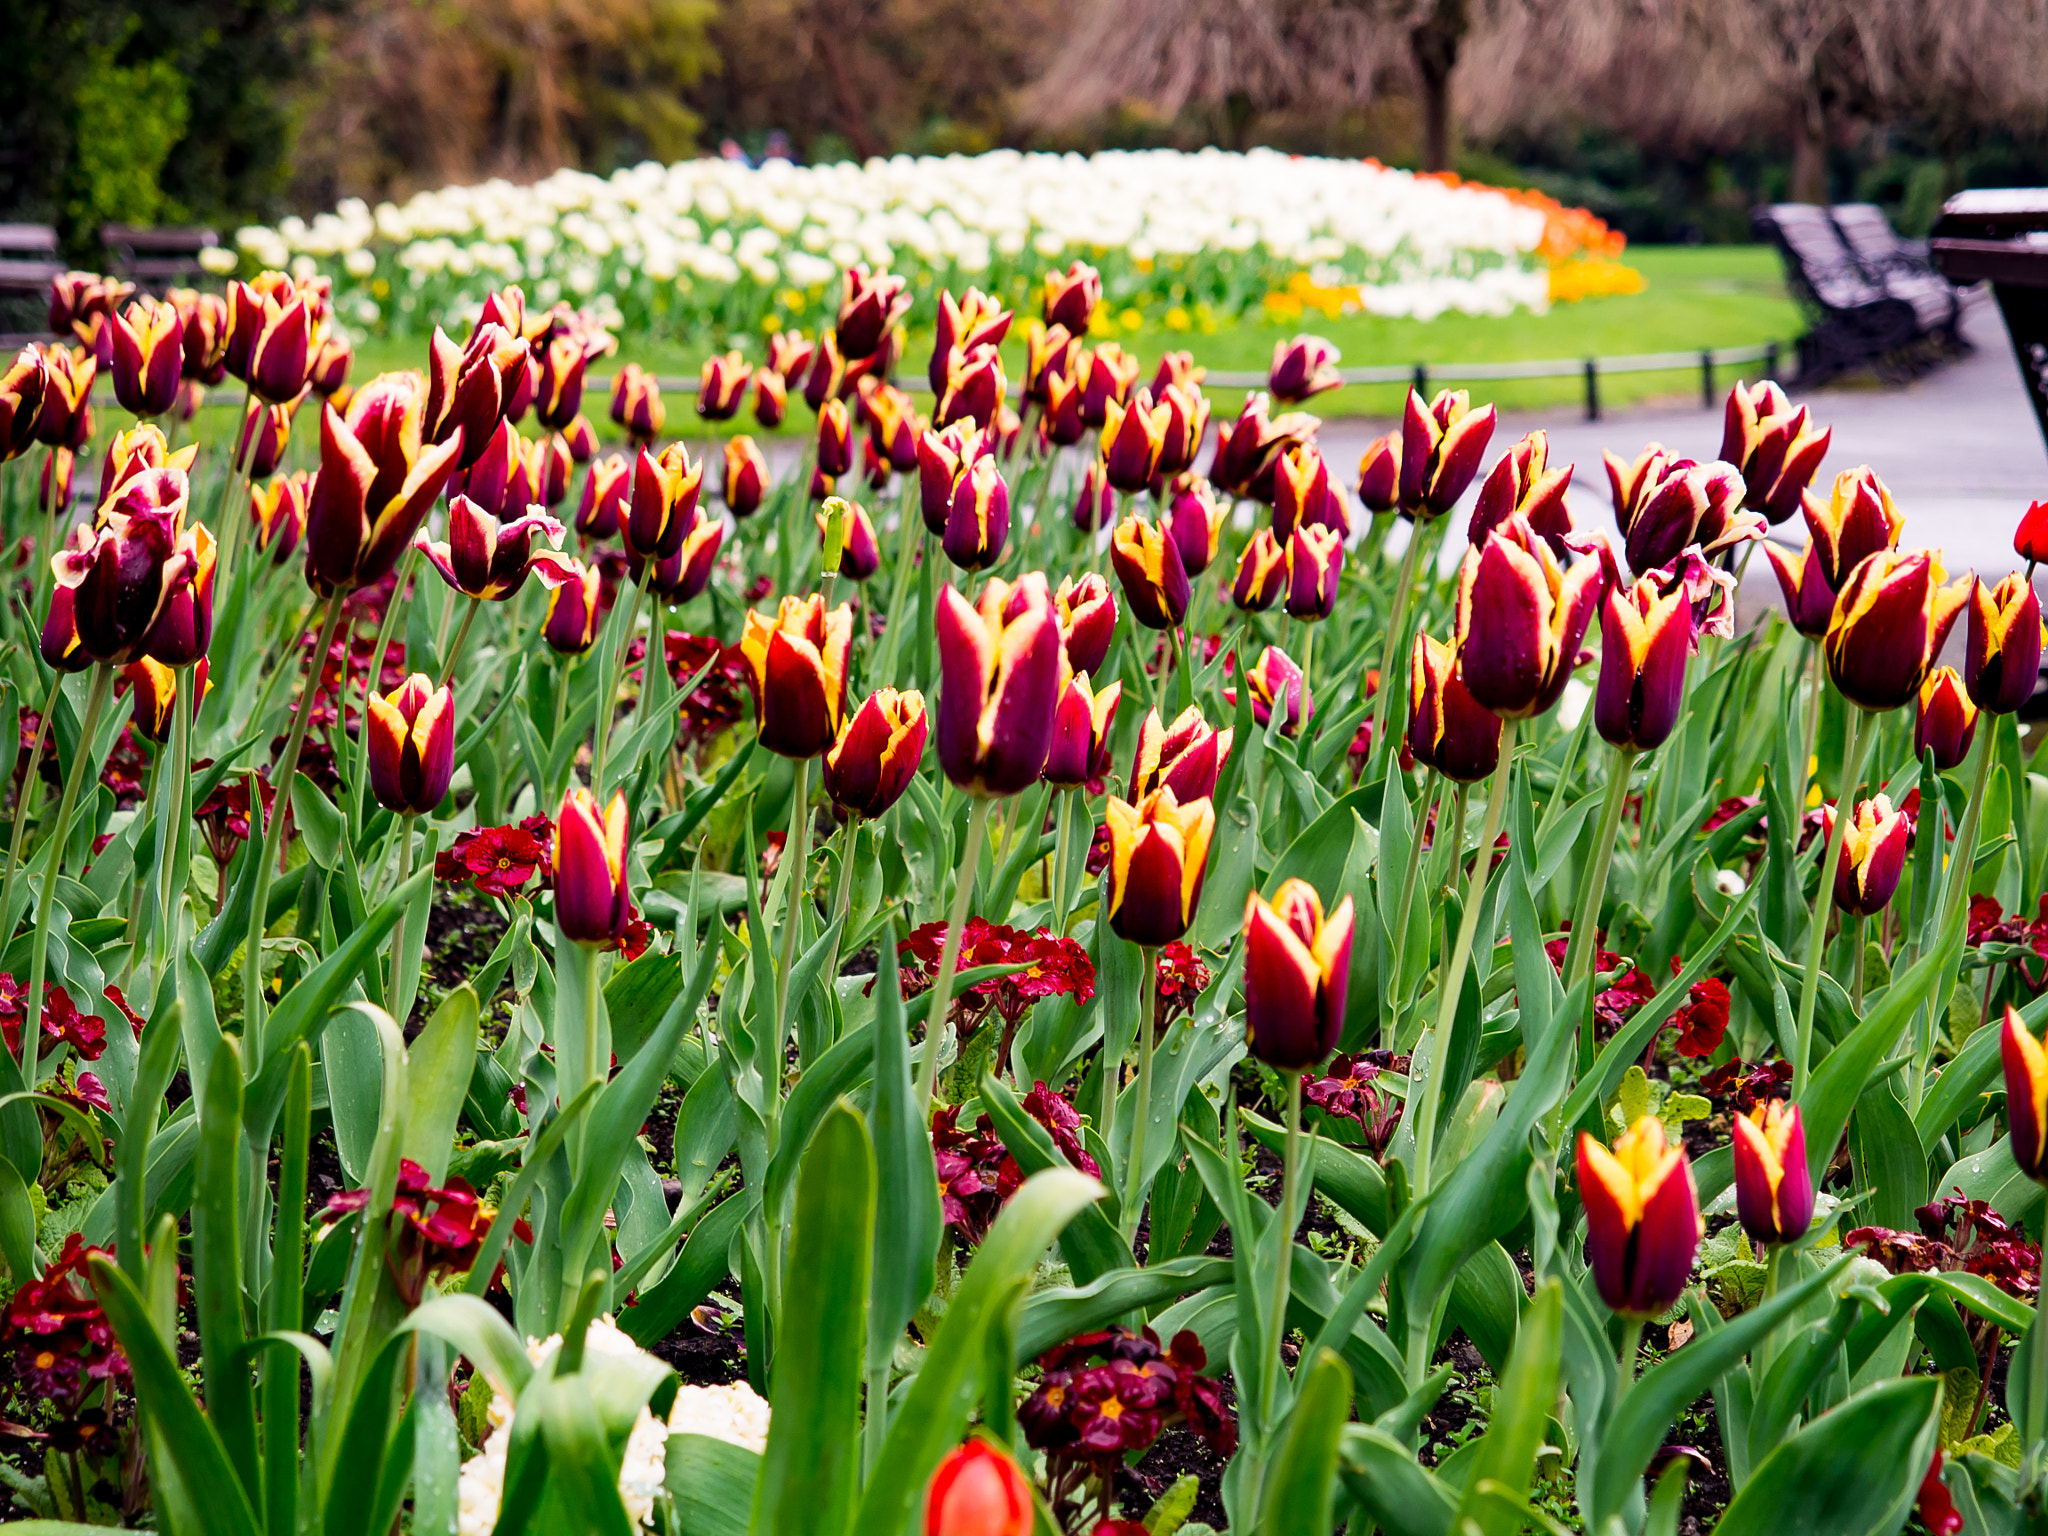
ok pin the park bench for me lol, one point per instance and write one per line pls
(1870, 298)
(28, 258)
(156, 258)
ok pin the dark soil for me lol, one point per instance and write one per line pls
(1175, 1453)
(706, 1357)
(463, 929)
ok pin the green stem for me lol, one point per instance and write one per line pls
(172, 862)
(1283, 1249)
(1059, 861)
(594, 1070)
(875, 1430)
(30, 781)
(1583, 945)
(398, 883)
(1856, 996)
(461, 634)
(1397, 640)
(138, 887)
(1631, 1350)
(614, 665)
(796, 855)
(1853, 754)
(1962, 864)
(1308, 651)
(1134, 1166)
(910, 519)
(1390, 1019)
(949, 957)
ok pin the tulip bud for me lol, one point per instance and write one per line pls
(1194, 521)
(122, 569)
(977, 517)
(860, 553)
(2026, 1094)
(580, 438)
(1185, 757)
(870, 307)
(1087, 620)
(1946, 721)
(1062, 421)
(559, 395)
(746, 476)
(835, 439)
(797, 660)
(790, 354)
(1106, 375)
(1095, 506)
(1521, 618)
(1178, 370)
(1645, 637)
(1158, 853)
(1000, 674)
(1187, 423)
(2002, 659)
(1448, 729)
(1302, 368)
(1809, 600)
(1642, 1218)
(279, 513)
(1315, 562)
(184, 627)
(592, 903)
(1049, 354)
(1080, 733)
(974, 388)
(943, 458)
(681, 576)
(64, 418)
(1441, 445)
(1773, 1184)
(154, 689)
(1261, 573)
(1149, 568)
(1859, 519)
(204, 318)
(1297, 967)
(636, 404)
(1891, 619)
(411, 745)
(1304, 495)
(573, 612)
(1071, 297)
(266, 432)
(1248, 452)
(1379, 474)
(1522, 481)
(607, 491)
(978, 320)
(827, 377)
(771, 397)
(721, 386)
(378, 479)
(663, 508)
(286, 347)
(1276, 682)
(148, 358)
(877, 753)
(490, 560)
(978, 1491)
(2030, 539)
(1774, 446)
(1873, 856)
(1132, 437)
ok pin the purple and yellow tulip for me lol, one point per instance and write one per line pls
(797, 662)
(1642, 1218)
(1158, 853)
(1297, 968)
(877, 753)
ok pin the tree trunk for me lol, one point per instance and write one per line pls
(1809, 148)
(1434, 44)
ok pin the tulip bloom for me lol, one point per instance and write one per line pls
(411, 745)
(287, 345)
(860, 555)
(977, 517)
(746, 476)
(1522, 481)
(1379, 474)
(1133, 436)
(636, 404)
(1248, 452)
(592, 904)
(1809, 600)
(204, 318)
(490, 560)
(771, 397)
(1071, 297)
(1095, 506)
(1666, 505)
(1261, 573)
(1062, 423)
(877, 753)
(942, 459)
(1000, 675)
(1187, 423)
(1304, 495)
(580, 438)
(2030, 539)
(978, 1491)
(1302, 368)
(64, 418)
(1441, 445)
(721, 386)
(663, 509)
(266, 432)
(1087, 620)
(607, 489)
(137, 451)
(1315, 562)
(1873, 856)
(279, 513)
(1946, 720)
(329, 374)
(2026, 1094)
(1080, 733)
(503, 479)
(2002, 659)
(1645, 637)
(1448, 729)
(870, 307)
(378, 479)
(558, 396)
(1107, 374)
(827, 377)
(1194, 521)
(978, 320)
(1859, 519)
(184, 628)
(1521, 618)
(974, 390)
(1642, 1218)
(1276, 682)
(797, 660)
(1297, 966)
(1777, 448)
(835, 438)
(1158, 854)
(118, 573)
(149, 356)
(154, 689)
(1185, 757)
(573, 612)
(1773, 1184)
(1049, 353)
(1890, 621)
(1148, 565)
(894, 428)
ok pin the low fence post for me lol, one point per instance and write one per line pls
(1707, 379)
(1770, 360)
(1422, 380)
(1592, 390)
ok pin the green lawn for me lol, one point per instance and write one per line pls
(1696, 297)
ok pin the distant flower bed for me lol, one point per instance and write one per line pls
(713, 247)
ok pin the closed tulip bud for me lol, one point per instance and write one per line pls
(974, 388)
(1521, 480)
(894, 428)
(1062, 422)
(746, 476)
(1132, 437)
(287, 345)
(573, 612)
(378, 479)
(580, 438)
(204, 319)
(1441, 445)
(607, 492)
(64, 417)
(977, 320)
(682, 575)
(1185, 757)
(1178, 370)
(835, 439)
(1858, 519)
(558, 395)
(1158, 853)
(552, 467)
(184, 626)
(2002, 658)
(1187, 423)
(1809, 600)
(790, 354)
(877, 753)
(663, 508)
(636, 404)
(1665, 505)
(722, 386)
(1248, 452)
(860, 552)
(827, 376)
(977, 517)
(1305, 496)
(137, 451)
(22, 390)
(278, 511)
(1095, 504)
(1275, 682)
(329, 376)
(1148, 566)
(154, 690)
(1946, 720)
(1080, 733)
(978, 1491)
(58, 642)
(1194, 520)
(1049, 354)
(1521, 618)
(942, 459)
(1873, 855)
(1087, 620)
(1379, 474)
(1776, 448)
(1000, 671)
(2030, 539)
(411, 745)
(59, 465)
(771, 397)
(797, 661)
(1448, 729)
(501, 479)
(1890, 621)
(1297, 967)
(505, 307)
(2026, 1094)
(1261, 573)
(1642, 1218)
(489, 559)
(1315, 563)
(1106, 375)
(471, 390)
(266, 432)
(1071, 297)
(823, 486)
(121, 569)
(148, 357)
(870, 307)
(1645, 637)
(1773, 1184)
(1302, 368)
(592, 903)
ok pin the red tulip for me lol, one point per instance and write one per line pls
(1809, 600)
(1302, 368)
(1859, 519)
(279, 513)
(574, 611)
(870, 307)
(1642, 1218)
(977, 517)
(1891, 618)
(64, 419)
(1049, 353)
(1000, 674)
(1080, 733)
(663, 509)
(942, 459)
(266, 433)
(860, 554)
(1071, 297)
(488, 559)
(1304, 495)
(978, 1491)
(378, 479)
(1095, 506)
(974, 388)
(1521, 618)
(721, 386)
(1261, 573)
(2026, 1094)
(1645, 637)
(411, 745)
(2002, 660)
(1873, 856)
(592, 903)
(148, 357)
(1379, 474)
(1148, 566)
(1185, 757)
(1187, 424)
(1946, 720)
(978, 320)
(1297, 966)
(1132, 437)
(1194, 520)
(1448, 729)
(636, 404)
(1776, 448)
(118, 573)
(1248, 451)
(797, 660)
(1087, 620)
(1441, 445)
(1158, 853)
(607, 490)
(1315, 562)
(1521, 480)
(877, 753)
(1773, 1184)
(1276, 682)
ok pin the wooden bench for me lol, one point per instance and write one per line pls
(1870, 298)
(156, 258)
(28, 258)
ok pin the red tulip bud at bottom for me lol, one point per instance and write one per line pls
(978, 1491)
(1642, 1218)
(1773, 1184)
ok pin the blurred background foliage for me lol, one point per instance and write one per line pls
(1668, 118)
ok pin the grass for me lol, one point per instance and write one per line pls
(1695, 297)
